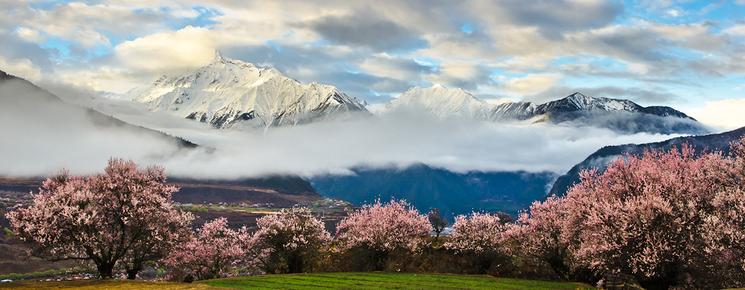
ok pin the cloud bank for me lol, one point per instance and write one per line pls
(37, 142)
(41, 135)
(461, 146)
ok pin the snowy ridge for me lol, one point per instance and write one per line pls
(445, 102)
(228, 92)
(578, 101)
(578, 109)
(442, 102)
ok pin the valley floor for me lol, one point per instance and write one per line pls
(374, 280)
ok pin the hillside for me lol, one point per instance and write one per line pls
(428, 187)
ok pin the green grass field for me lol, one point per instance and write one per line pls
(385, 281)
(318, 281)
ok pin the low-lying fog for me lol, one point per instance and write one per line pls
(42, 139)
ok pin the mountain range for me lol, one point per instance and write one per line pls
(228, 93)
(428, 187)
(616, 114)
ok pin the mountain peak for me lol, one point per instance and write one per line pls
(218, 57)
(441, 102)
(578, 96)
(582, 101)
(227, 92)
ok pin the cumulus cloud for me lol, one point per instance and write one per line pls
(168, 51)
(460, 74)
(93, 24)
(363, 28)
(556, 17)
(531, 84)
(385, 65)
(20, 67)
(725, 114)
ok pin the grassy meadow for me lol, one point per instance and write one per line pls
(369, 280)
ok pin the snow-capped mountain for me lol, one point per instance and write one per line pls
(228, 93)
(442, 102)
(617, 114)
(578, 102)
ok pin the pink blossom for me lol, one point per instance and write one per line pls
(669, 217)
(289, 241)
(478, 233)
(124, 215)
(384, 227)
(214, 251)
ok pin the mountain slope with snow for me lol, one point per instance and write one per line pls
(442, 102)
(228, 93)
(616, 114)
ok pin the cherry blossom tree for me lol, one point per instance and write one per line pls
(478, 238)
(535, 240)
(478, 233)
(382, 229)
(290, 241)
(122, 215)
(213, 251)
(667, 218)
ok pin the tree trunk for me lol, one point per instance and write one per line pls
(295, 264)
(132, 272)
(105, 270)
(380, 258)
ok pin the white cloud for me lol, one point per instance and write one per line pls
(29, 35)
(20, 67)
(385, 65)
(185, 48)
(62, 137)
(737, 30)
(725, 114)
(403, 140)
(531, 84)
(674, 12)
(460, 74)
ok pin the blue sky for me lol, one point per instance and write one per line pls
(687, 54)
